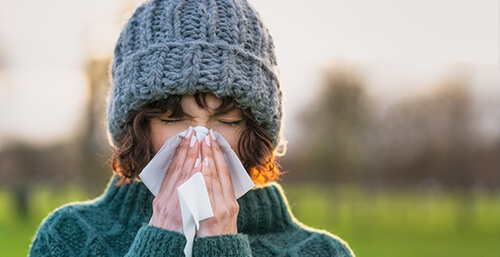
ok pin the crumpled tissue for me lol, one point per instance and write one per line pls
(193, 195)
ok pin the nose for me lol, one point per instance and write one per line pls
(200, 119)
(198, 123)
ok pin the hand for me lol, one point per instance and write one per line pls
(220, 190)
(166, 208)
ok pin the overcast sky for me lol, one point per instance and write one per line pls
(401, 46)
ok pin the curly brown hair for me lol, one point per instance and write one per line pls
(134, 149)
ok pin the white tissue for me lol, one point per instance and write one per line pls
(193, 195)
(195, 206)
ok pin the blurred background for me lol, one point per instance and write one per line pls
(392, 117)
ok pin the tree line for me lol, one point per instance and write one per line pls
(430, 139)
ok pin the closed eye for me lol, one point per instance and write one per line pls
(231, 123)
(171, 121)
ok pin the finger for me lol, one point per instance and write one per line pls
(192, 156)
(221, 167)
(175, 167)
(205, 171)
(211, 173)
(207, 155)
(197, 167)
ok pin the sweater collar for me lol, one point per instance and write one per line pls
(262, 209)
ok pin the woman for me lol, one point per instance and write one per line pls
(177, 65)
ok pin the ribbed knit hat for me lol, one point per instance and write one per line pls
(177, 47)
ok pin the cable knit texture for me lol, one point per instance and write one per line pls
(116, 224)
(177, 47)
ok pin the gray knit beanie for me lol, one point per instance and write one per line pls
(177, 47)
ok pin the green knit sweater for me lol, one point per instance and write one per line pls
(116, 224)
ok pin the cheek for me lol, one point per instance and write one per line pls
(160, 134)
(232, 137)
(233, 142)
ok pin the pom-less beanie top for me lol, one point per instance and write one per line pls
(177, 47)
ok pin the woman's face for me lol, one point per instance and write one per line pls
(229, 124)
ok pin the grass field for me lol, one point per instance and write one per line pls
(383, 223)
(403, 223)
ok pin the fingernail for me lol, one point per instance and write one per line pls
(197, 163)
(207, 139)
(211, 132)
(189, 132)
(193, 139)
(206, 161)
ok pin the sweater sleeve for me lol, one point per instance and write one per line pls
(154, 241)
(224, 245)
